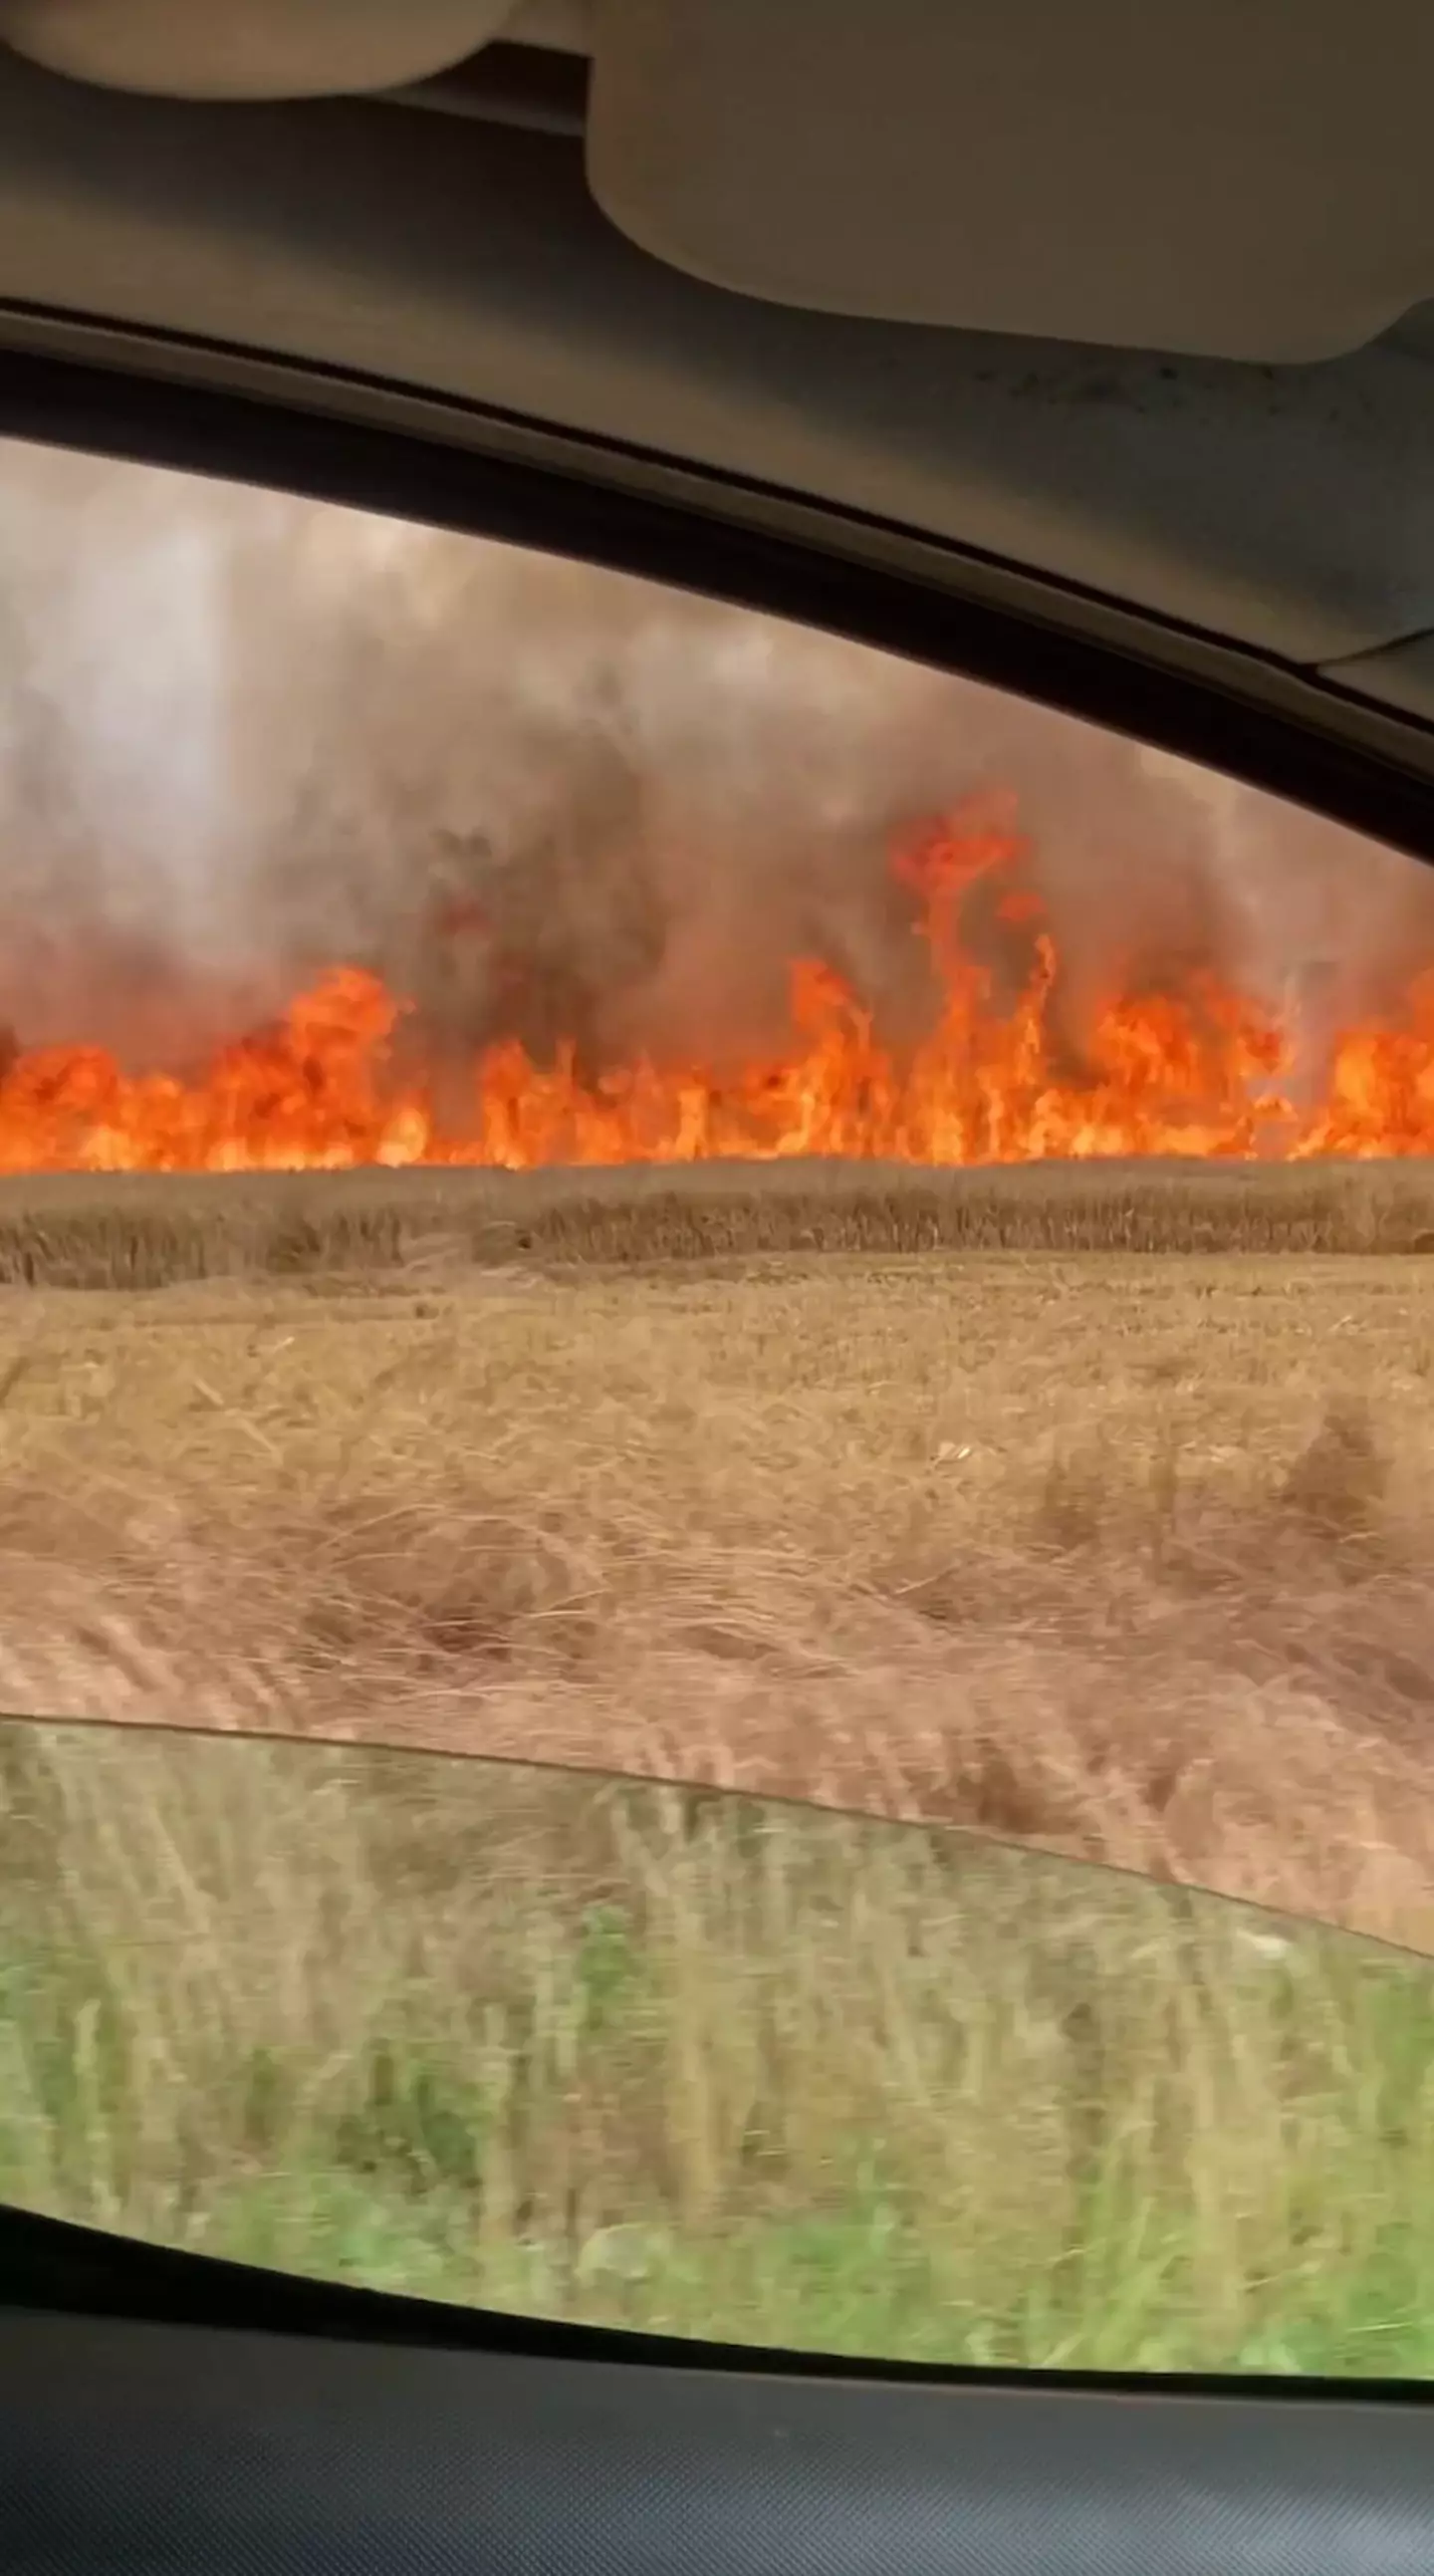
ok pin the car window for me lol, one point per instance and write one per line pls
(595, 1184)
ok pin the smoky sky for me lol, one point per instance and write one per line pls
(243, 738)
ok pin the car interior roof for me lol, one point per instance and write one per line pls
(1285, 508)
(1027, 167)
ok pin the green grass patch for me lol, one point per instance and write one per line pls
(667, 2060)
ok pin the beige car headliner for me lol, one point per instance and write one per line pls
(1283, 505)
(1229, 178)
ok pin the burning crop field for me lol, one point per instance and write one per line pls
(348, 1076)
(584, 1174)
(590, 1179)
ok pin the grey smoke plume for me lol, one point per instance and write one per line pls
(242, 738)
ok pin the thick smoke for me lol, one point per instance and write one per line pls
(242, 739)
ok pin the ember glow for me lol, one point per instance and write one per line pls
(996, 1078)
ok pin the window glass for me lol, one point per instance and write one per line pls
(593, 1180)
(699, 2064)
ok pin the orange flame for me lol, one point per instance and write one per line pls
(1200, 1072)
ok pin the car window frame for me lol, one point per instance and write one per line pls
(392, 451)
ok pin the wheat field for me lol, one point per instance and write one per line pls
(1124, 1553)
(153, 1230)
(1117, 1554)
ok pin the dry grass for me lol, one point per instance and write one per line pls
(145, 1232)
(1124, 1556)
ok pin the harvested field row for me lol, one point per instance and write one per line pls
(145, 1231)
